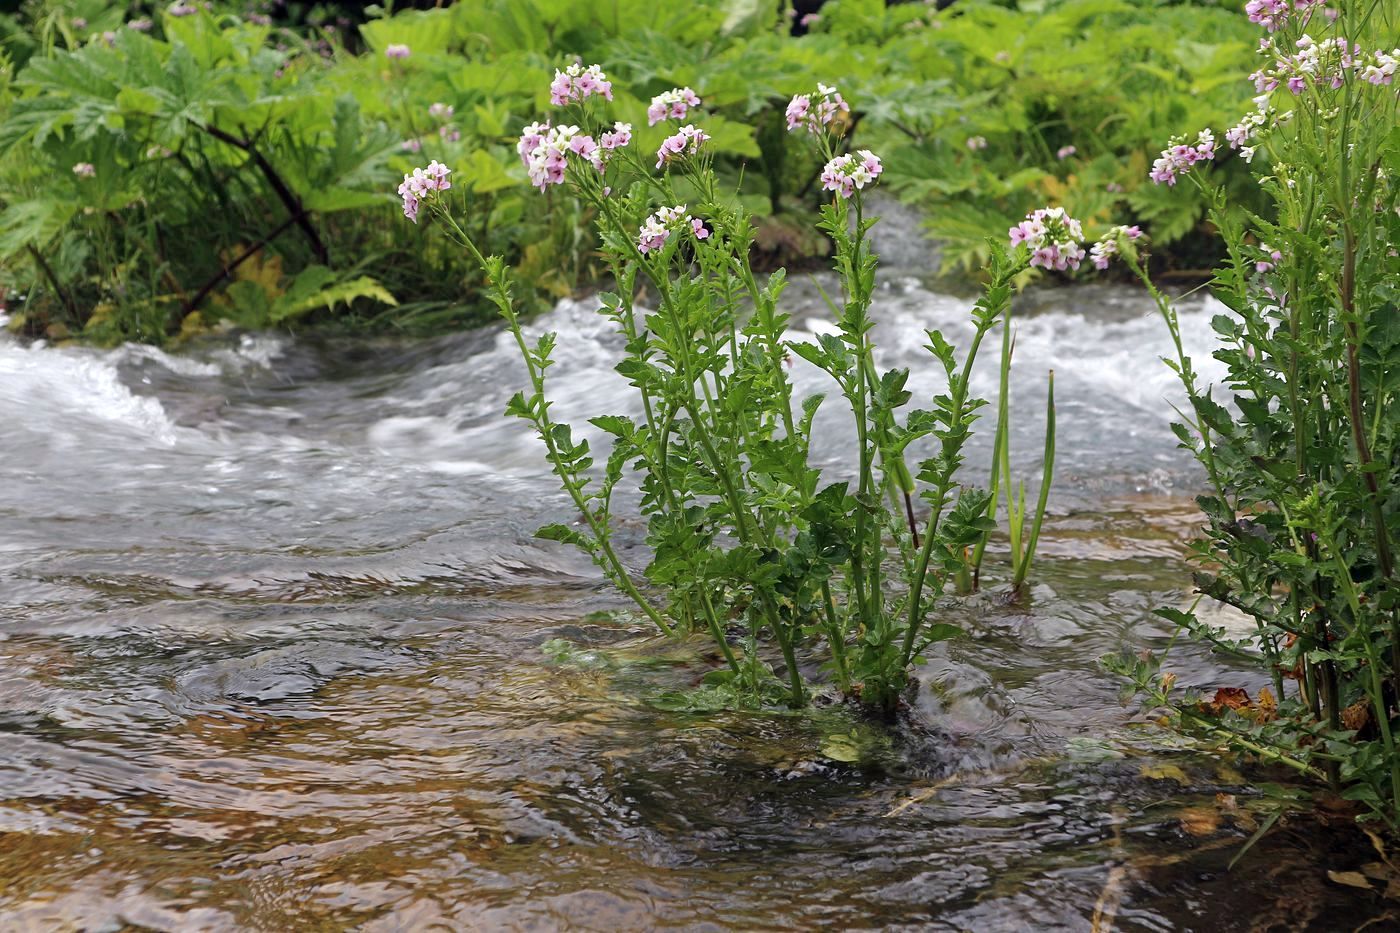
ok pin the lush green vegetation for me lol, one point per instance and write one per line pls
(1304, 514)
(239, 171)
(748, 543)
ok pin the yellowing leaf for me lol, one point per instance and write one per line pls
(1352, 879)
(1164, 772)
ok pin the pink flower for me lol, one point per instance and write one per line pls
(1064, 152)
(396, 52)
(575, 83)
(1381, 69)
(976, 142)
(671, 105)
(587, 148)
(620, 136)
(440, 111)
(1267, 265)
(802, 111)
(667, 220)
(1107, 246)
(545, 151)
(139, 25)
(412, 145)
(84, 170)
(1053, 238)
(686, 141)
(847, 174)
(449, 134)
(182, 9)
(530, 139)
(1178, 158)
(1271, 14)
(420, 184)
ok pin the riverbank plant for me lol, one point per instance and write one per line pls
(1301, 443)
(751, 542)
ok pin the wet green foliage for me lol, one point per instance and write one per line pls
(1304, 513)
(230, 153)
(751, 542)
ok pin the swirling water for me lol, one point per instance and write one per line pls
(277, 652)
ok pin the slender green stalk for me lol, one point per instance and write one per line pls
(1046, 475)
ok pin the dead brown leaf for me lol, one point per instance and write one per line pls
(1356, 716)
(1200, 821)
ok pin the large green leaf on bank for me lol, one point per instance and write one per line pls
(33, 223)
(316, 288)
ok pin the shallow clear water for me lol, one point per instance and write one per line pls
(271, 629)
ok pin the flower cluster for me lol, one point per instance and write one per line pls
(1324, 64)
(1273, 15)
(545, 150)
(847, 173)
(396, 52)
(1052, 236)
(686, 141)
(1106, 248)
(84, 170)
(1064, 152)
(659, 227)
(814, 116)
(1248, 128)
(577, 82)
(976, 142)
(1380, 67)
(1179, 157)
(182, 9)
(420, 183)
(619, 136)
(672, 105)
(441, 112)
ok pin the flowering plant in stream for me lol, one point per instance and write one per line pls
(1302, 515)
(785, 567)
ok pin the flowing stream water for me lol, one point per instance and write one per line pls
(278, 651)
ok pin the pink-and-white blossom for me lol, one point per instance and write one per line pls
(846, 174)
(420, 184)
(1053, 238)
(1103, 251)
(685, 142)
(577, 83)
(671, 105)
(620, 135)
(1178, 159)
(658, 228)
(814, 112)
